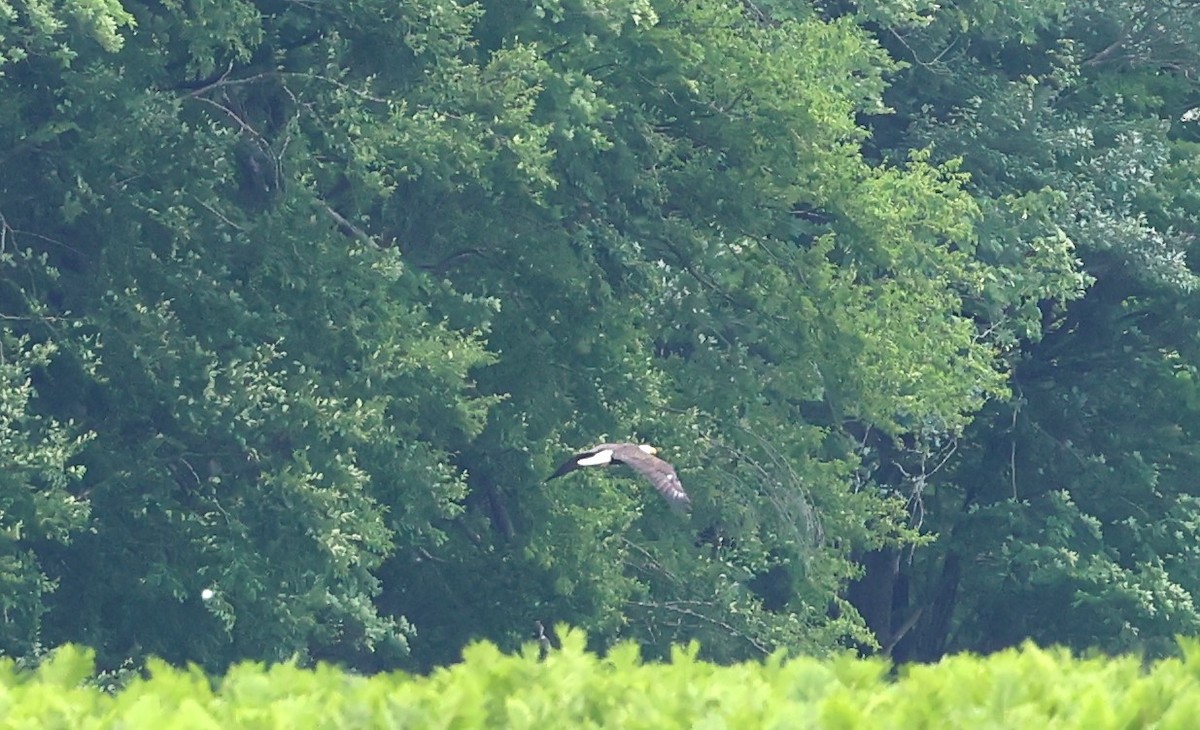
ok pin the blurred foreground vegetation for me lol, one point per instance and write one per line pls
(1026, 687)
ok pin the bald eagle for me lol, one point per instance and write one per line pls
(639, 457)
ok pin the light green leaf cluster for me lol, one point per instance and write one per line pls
(42, 27)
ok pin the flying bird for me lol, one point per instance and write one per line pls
(639, 457)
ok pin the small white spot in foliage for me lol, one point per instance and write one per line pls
(207, 594)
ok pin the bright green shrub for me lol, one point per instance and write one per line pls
(1029, 687)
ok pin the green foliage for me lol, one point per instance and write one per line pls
(489, 689)
(703, 274)
(59, 31)
(1066, 512)
(265, 392)
(37, 504)
(330, 290)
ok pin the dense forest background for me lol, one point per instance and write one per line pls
(302, 301)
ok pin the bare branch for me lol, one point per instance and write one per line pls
(677, 607)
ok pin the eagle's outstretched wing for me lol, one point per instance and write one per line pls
(660, 473)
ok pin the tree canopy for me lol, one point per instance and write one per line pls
(303, 302)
